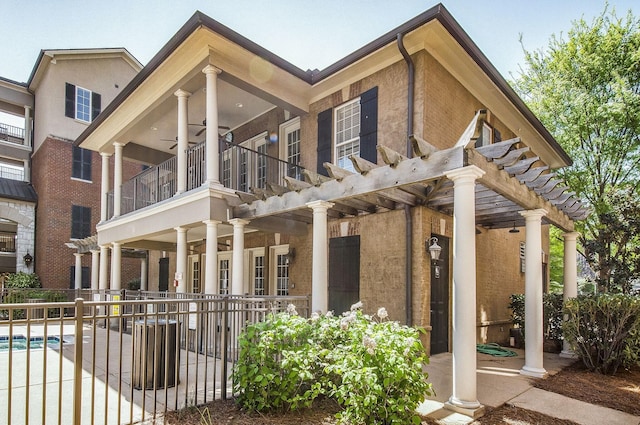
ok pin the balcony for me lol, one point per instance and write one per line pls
(9, 133)
(241, 169)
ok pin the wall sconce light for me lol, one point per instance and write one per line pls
(434, 252)
(28, 259)
(290, 255)
(514, 230)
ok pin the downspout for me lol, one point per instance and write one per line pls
(407, 209)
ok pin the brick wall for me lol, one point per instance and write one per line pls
(57, 192)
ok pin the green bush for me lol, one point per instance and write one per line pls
(552, 313)
(372, 367)
(22, 280)
(604, 330)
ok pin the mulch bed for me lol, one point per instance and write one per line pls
(620, 392)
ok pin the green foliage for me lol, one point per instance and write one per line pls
(552, 313)
(372, 367)
(604, 330)
(134, 284)
(22, 280)
(585, 90)
(19, 296)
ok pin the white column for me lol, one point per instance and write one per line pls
(237, 261)
(183, 139)
(95, 269)
(104, 187)
(464, 397)
(212, 145)
(143, 273)
(320, 257)
(28, 127)
(533, 339)
(570, 279)
(26, 166)
(211, 262)
(104, 267)
(117, 179)
(78, 271)
(181, 259)
(116, 266)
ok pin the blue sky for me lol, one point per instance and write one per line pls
(309, 34)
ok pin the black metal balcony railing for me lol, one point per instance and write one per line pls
(9, 133)
(240, 169)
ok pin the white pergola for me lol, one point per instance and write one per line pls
(495, 186)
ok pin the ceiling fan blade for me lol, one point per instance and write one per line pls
(173, 147)
(202, 130)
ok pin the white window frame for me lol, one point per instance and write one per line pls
(231, 164)
(80, 107)
(251, 269)
(224, 256)
(194, 284)
(342, 161)
(285, 130)
(274, 253)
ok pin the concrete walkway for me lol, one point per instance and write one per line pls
(500, 382)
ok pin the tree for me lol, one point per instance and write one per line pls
(586, 91)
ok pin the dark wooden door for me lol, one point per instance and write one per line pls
(163, 275)
(344, 273)
(440, 300)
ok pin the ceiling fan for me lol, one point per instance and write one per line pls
(204, 127)
(176, 142)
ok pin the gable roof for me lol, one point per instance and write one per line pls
(437, 13)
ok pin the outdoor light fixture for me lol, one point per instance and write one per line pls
(28, 259)
(434, 251)
(514, 230)
(290, 255)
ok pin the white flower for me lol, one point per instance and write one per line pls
(369, 343)
(382, 313)
(356, 306)
(291, 309)
(315, 316)
(344, 324)
(329, 313)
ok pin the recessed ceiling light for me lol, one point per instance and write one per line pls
(154, 128)
(239, 105)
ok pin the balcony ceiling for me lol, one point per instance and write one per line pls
(158, 129)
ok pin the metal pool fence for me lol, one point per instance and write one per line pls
(113, 357)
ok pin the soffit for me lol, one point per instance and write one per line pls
(245, 79)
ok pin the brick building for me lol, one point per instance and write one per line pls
(65, 92)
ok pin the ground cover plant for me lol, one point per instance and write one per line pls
(370, 366)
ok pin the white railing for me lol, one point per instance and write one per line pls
(114, 357)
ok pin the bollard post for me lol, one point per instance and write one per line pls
(77, 364)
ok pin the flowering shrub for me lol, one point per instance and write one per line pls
(371, 366)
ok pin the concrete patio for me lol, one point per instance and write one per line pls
(500, 382)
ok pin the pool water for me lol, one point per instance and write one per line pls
(20, 342)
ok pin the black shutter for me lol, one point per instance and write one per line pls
(324, 139)
(95, 105)
(69, 100)
(369, 125)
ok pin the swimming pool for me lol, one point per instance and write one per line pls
(35, 342)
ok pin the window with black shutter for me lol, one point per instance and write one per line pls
(81, 168)
(80, 103)
(80, 222)
(349, 129)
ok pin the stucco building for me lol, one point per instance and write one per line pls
(266, 179)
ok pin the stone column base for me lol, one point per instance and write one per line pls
(472, 412)
(533, 371)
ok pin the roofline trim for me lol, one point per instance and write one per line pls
(438, 12)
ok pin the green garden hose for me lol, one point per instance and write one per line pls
(495, 350)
